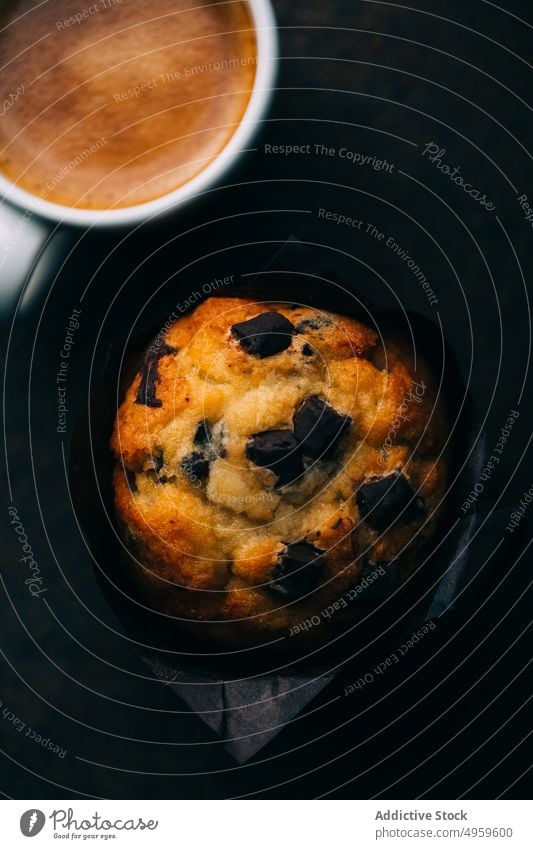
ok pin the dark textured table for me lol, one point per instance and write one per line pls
(368, 91)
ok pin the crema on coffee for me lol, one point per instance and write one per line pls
(112, 103)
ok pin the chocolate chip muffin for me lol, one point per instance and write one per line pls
(278, 470)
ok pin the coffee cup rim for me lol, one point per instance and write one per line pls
(267, 56)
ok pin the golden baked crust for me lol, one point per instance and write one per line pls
(212, 526)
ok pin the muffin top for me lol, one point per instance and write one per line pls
(267, 455)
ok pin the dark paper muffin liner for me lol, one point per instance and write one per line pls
(247, 697)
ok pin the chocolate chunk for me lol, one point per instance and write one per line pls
(315, 323)
(209, 441)
(297, 570)
(131, 479)
(204, 434)
(146, 394)
(384, 501)
(276, 450)
(196, 466)
(265, 335)
(157, 460)
(318, 427)
(307, 351)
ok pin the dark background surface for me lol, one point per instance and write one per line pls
(453, 718)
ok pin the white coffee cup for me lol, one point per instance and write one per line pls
(27, 220)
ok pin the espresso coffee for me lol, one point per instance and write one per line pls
(111, 103)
